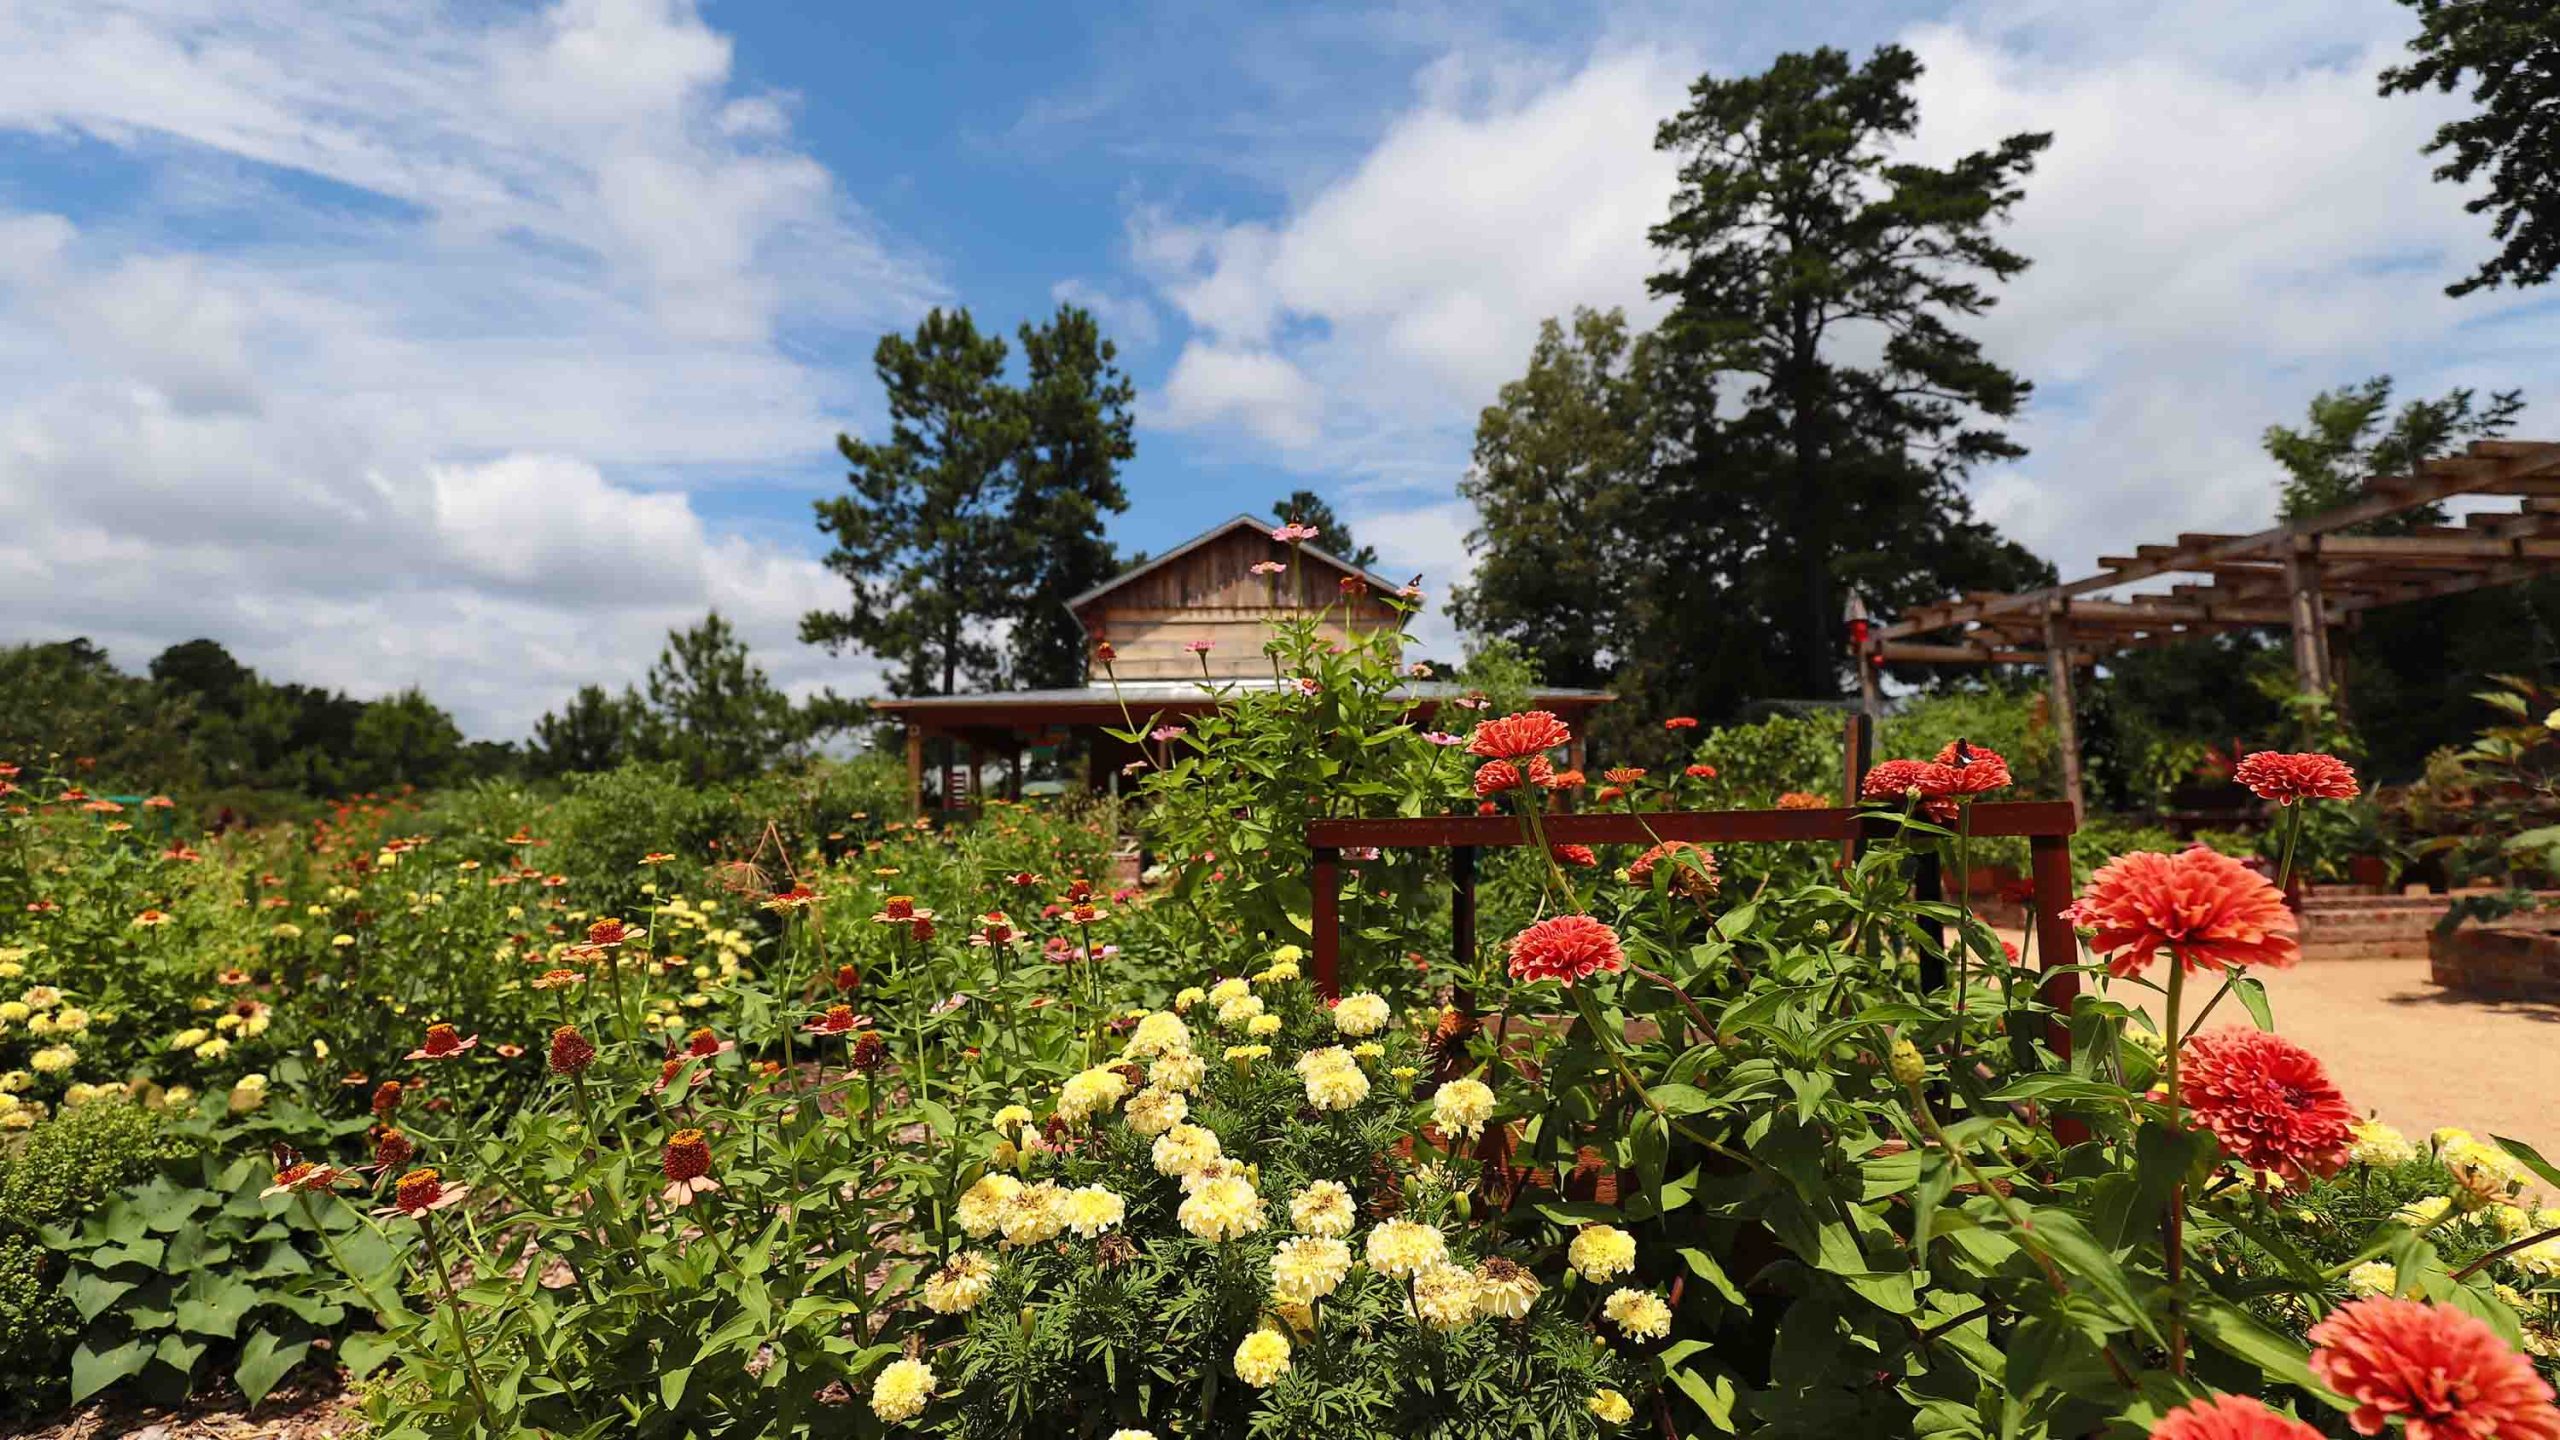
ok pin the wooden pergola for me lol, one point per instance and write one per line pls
(2305, 575)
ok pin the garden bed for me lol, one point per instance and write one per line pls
(2503, 964)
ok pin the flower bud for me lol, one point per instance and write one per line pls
(1909, 1069)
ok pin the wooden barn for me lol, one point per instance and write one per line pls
(1207, 592)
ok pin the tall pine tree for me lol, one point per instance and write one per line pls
(1076, 434)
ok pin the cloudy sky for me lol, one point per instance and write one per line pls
(469, 346)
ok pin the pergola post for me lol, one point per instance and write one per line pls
(2310, 621)
(1013, 770)
(915, 771)
(2066, 721)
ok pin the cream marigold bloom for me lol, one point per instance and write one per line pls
(1505, 1289)
(981, 1208)
(1640, 1313)
(1180, 1071)
(1262, 1358)
(1185, 1148)
(1091, 1209)
(1444, 1297)
(2483, 1172)
(1462, 1107)
(1089, 1092)
(1405, 1247)
(902, 1390)
(1323, 1208)
(1365, 1013)
(1186, 997)
(1281, 972)
(1610, 1407)
(54, 1059)
(1602, 1253)
(1231, 988)
(1308, 1267)
(1240, 1011)
(1033, 1214)
(1155, 1111)
(1224, 1209)
(2419, 1214)
(1338, 1084)
(1011, 1118)
(956, 1288)
(2374, 1277)
(1158, 1033)
(1262, 1027)
(1243, 1056)
(2378, 1144)
(1131, 1435)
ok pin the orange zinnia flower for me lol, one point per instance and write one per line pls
(2229, 1417)
(443, 1042)
(2268, 1101)
(687, 1166)
(2285, 779)
(1517, 737)
(1976, 769)
(2444, 1373)
(2206, 909)
(1565, 948)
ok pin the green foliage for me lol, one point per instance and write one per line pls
(1757, 763)
(2508, 53)
(2332, 460)
(982, 512)
(2009, 718)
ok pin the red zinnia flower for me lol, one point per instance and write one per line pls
(1495, 776)
(1681, 722)
(848, 978)
(391, 1149)
(611, 932)
(1487, 807)
(2268, 1101)
(704, 1043)
(2272, 775)
(1576, 855)
(302, 1175)
(1607, 793)
(1896, 780)
(687, 1165)
(839, 1020)
(1555, 779)
(1517, 737)
(422, 1191)
(1976, 769)
(443, 1042)
(1566, 948)
(571, 1052)
(1623, 774)
(2229, 1417)
(1700, 772)
(2206, 909)
(386, 1098)
(1693, 869)
(2445, 1373)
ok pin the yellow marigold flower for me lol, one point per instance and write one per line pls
(1243, 1056)
(2378, 1144)
(40, 997)
(1610, 1407)
(1185, 1148)
(1157, 1033)
(1231, 988)
(342, 941)
(1186, 997)
(53, 1059)
(213, 1049)
(1367, 1050)
(1602, 1253)
(1155, 1111)
(1287, 955)
(1091, 1209)
(1443, 1297)
(1179, 1071)
(902, 1390)
(1323, 1208)
(1262, 1027)
(1280, 973)
(2482, 1173)
(1462, 1107)
(1364, 1013)
(1224, 1209)
(1405, 1247)
(1262, 1358)
(1011, 1118)
(1033, 1214)
(190, 1038)
(981, 1208)
(2512, 1220)
(1131, 1435)
(1640, 1313)
(2419, 1214)
(1404, 1073)
(1238, 1012)
(1336, 1087)
(956, 1288)
(1308, 1267)
(71, 1020)
(2374, 1277)
(1505, 1289)
(1088, 1092)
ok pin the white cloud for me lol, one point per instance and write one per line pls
(2229, 220)
(420, 428)
(1128, 320)
(1214, 384)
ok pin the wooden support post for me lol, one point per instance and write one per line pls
(2310, 624)
(1870, 687)
(2066, 722)
(915, 770)
(2057, 944)
(1857, 757)
(1013, 773)
(1462, 908)
(1327, 884)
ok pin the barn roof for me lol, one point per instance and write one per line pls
(1241, 522)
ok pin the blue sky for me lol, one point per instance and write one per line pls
(473, 346)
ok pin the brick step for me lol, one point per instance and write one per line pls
(2409, 948)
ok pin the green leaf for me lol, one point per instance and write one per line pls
(90, 1292)
(2241, 1335)
(2253, 993)
(2531, 1158)
(2061, 1236)
(671, 1385)
(180, 1353)
(363, 1353)
(214, 1307)
(95, 1370)
(1706, 1267)
(264, 1361)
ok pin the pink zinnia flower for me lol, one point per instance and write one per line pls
(2444, 1373)
(1566, 948)
(1517, 737)
(2229, 1417)
(2285, 779)
(2206, 909)
(2268, 1101)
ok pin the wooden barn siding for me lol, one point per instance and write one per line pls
(1212, 594)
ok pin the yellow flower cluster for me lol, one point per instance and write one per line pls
(1090, 1092)
(1404, 1247)
(1323, 1208)
(1263, 1357)
(1159, 1033)
(1444, 1296)
(902, 1390)
(2378, 1144)
(1333, 1079)
(1308, 1267)
(1462, 1107)
(956, 1288)
(1226, 1208)
(1179, 1071)
(1363, 1014)
(1185, 1148)
(1640, 1313)
(1155, 1111)
(1601, 1253)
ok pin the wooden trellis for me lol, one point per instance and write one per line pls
(2305, 575)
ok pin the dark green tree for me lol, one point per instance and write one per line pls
(67, 709)
(205, 670)
(404, 739)
(2508, 53)
(925, 540)
(596, 730)
(713, 710)
(1306, 507)
(1076, 434)
(1821, 408)
(1561, 457)
(2345, 444)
